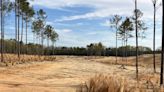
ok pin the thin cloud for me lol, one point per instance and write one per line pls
(103, 8)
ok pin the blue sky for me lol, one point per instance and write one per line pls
(81, 22)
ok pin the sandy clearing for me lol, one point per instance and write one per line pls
(61, 76)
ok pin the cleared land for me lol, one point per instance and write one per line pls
(66, 73)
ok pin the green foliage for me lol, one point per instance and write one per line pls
(125, 29)
(95, 49)
(115, 21)
(140, 23)
(7, 6)
(38, 25)
(50, 33)
(54, 37)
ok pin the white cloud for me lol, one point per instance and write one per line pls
(63, 31)
(106, 23)
(92, 33)
(104, 8)
(66, 30)
(79, 39)
(49, 23)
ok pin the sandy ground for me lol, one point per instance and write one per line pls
(64, 75)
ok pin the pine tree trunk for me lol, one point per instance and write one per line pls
(122, 50)
(2, 58)
(47, 46)
(42, 42)
(26, 38)
(53, 48)
(124, 46)
(21, 42)
(18, 30)
(3, 33)
(16, 26)
(116, 47)
(162, 54)
(136, 39)
(154, 38)
(126, 49)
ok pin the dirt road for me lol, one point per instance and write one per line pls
(64, 75)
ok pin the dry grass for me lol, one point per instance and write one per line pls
(110, 83)
(74, 70)
(144, 60)
(101, 83)
(12, 59)
(150, 81)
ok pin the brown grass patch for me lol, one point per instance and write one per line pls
(110, 83)
(12, 59)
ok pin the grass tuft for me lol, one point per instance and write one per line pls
(103, 83)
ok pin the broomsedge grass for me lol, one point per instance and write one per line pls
(110, 83)
(12, 59)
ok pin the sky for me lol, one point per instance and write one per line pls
(81, 22)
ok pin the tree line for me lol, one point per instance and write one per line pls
(93, 49)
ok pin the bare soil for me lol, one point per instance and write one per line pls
(65, 74)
